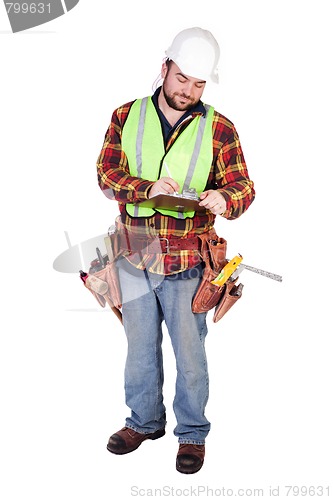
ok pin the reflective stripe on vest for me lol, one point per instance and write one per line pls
(188, 160)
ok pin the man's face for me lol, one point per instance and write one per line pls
(180, 91)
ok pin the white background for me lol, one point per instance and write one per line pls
(62, 356)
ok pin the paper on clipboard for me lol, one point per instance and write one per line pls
(173, 202)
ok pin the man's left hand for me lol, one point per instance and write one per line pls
(213, 200)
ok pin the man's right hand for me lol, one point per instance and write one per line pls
(164, 185)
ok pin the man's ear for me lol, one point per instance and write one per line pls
(164, 70)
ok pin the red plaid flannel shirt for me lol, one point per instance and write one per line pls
(228, 174)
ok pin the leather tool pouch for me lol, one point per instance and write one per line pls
(208, 296)
(109, 274)
(231, 293)
(213, 252)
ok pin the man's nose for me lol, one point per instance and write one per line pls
(188, 88)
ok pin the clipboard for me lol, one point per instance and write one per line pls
(173, 202)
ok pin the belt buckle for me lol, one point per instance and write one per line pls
(167, 244)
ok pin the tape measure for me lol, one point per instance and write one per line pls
(234, 267)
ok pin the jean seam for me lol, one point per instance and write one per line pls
(158, 360)
(190, 441)
(136, 429)
(158, 380)
(202, 339)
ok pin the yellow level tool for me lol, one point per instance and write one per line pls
(227, 271)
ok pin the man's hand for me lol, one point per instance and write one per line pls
(213, 201)
(164, 185)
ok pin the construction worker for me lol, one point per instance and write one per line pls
(164, 144)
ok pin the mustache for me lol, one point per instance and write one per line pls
(185, 96)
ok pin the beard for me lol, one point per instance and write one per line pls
(172, 101)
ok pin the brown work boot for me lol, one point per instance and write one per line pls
(127, 440)
(190, 458)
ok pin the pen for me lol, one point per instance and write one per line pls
(168, 172)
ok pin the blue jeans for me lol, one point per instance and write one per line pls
(147, 301)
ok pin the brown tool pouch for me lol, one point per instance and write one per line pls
(208, 296)
(213, 252)
(109, 275)
(231, 293)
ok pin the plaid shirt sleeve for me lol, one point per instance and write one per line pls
(229, 173)
(112, 167)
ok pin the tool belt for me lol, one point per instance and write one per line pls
(120, 242)
(156, 245)
(213, 251)
(211, 248)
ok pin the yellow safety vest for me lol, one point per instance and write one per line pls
(188, 160)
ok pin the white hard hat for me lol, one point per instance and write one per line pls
(197, 53)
